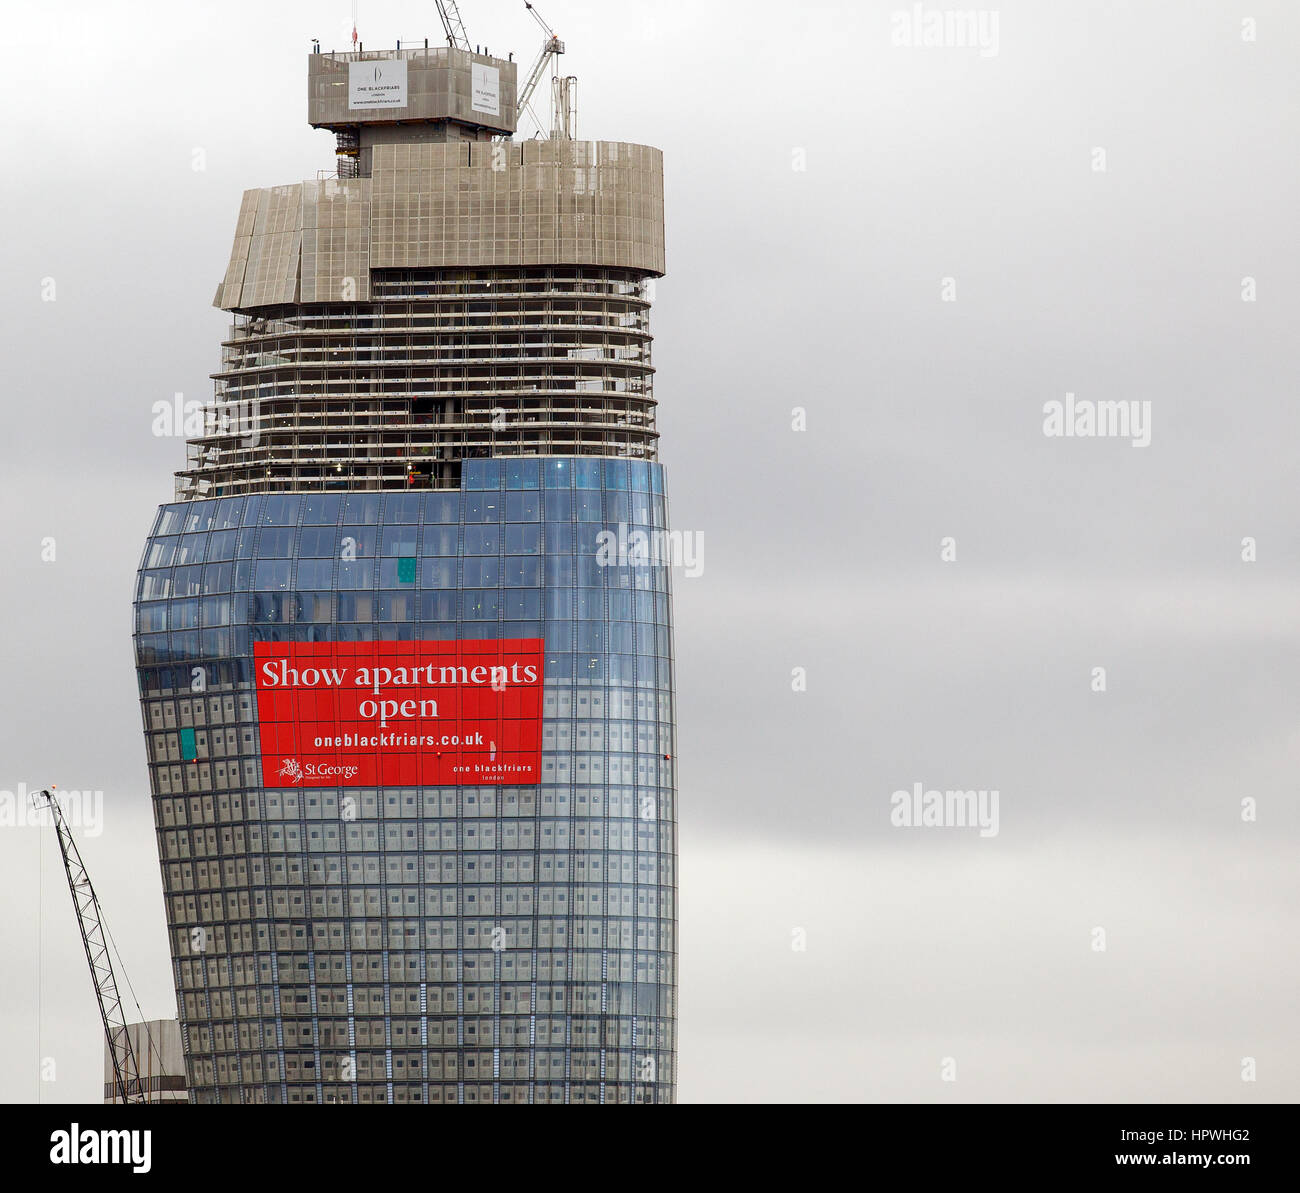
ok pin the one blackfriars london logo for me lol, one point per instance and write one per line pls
(85, 1146)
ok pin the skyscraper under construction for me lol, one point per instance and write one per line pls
(410, 732)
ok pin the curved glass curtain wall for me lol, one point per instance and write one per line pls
(327, 958)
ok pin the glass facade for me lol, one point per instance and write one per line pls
(420, 944)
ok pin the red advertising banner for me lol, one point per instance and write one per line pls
(400, 714)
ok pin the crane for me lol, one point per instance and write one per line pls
(551, 47)
(454, 26)
(90, 920)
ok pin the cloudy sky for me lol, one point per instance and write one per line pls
(906, 250)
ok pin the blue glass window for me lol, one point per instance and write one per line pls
(321, 509)
(160, 553)
(559, 634)
(315, 573)
(222, 545)
(185, 615)
(440, 540)
(482, 507)
(559, 474)
(216, 577)
(354, 607)
(439, 573)
(586, 474)
(559, 537)
(399, 540)
(482, 540)
(590, 602)
(363, 539)
(524, 507)
(271, 607)
(481, 604)
(362, 507)
(522, 571)
(397, 606)
(316, 606)
(402, 507)
(524, 603)
(442, 507)
(559, 505)
(559, 571)
(280, 510)
(616, 474)
(227, 513)
(214, 644)
(172, 519)
(216, 611)
(438, 606)
(151, 618)
(481, 572)
(522, 473)
(480, 474)
(318, 541)
(200, 516)
(523, 539)
(275, 544)
(617, 507)
(356, 573)
(187, 581)
(396, 573)
(271, 574)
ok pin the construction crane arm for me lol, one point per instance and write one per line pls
(453, 25)
(90, 922)
(550, 47)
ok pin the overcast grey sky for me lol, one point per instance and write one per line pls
(822, 183)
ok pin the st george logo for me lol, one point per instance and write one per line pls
(291, 769)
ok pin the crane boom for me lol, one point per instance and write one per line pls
(550, 47)
(90, 921)
(454, 26)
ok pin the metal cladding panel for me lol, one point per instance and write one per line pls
(273, 255)
(534, 203)
(449, 205)
(231, 288)
(336, 240)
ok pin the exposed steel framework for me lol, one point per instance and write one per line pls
(444, 365)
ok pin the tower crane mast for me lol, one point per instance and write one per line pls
(90, 922)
